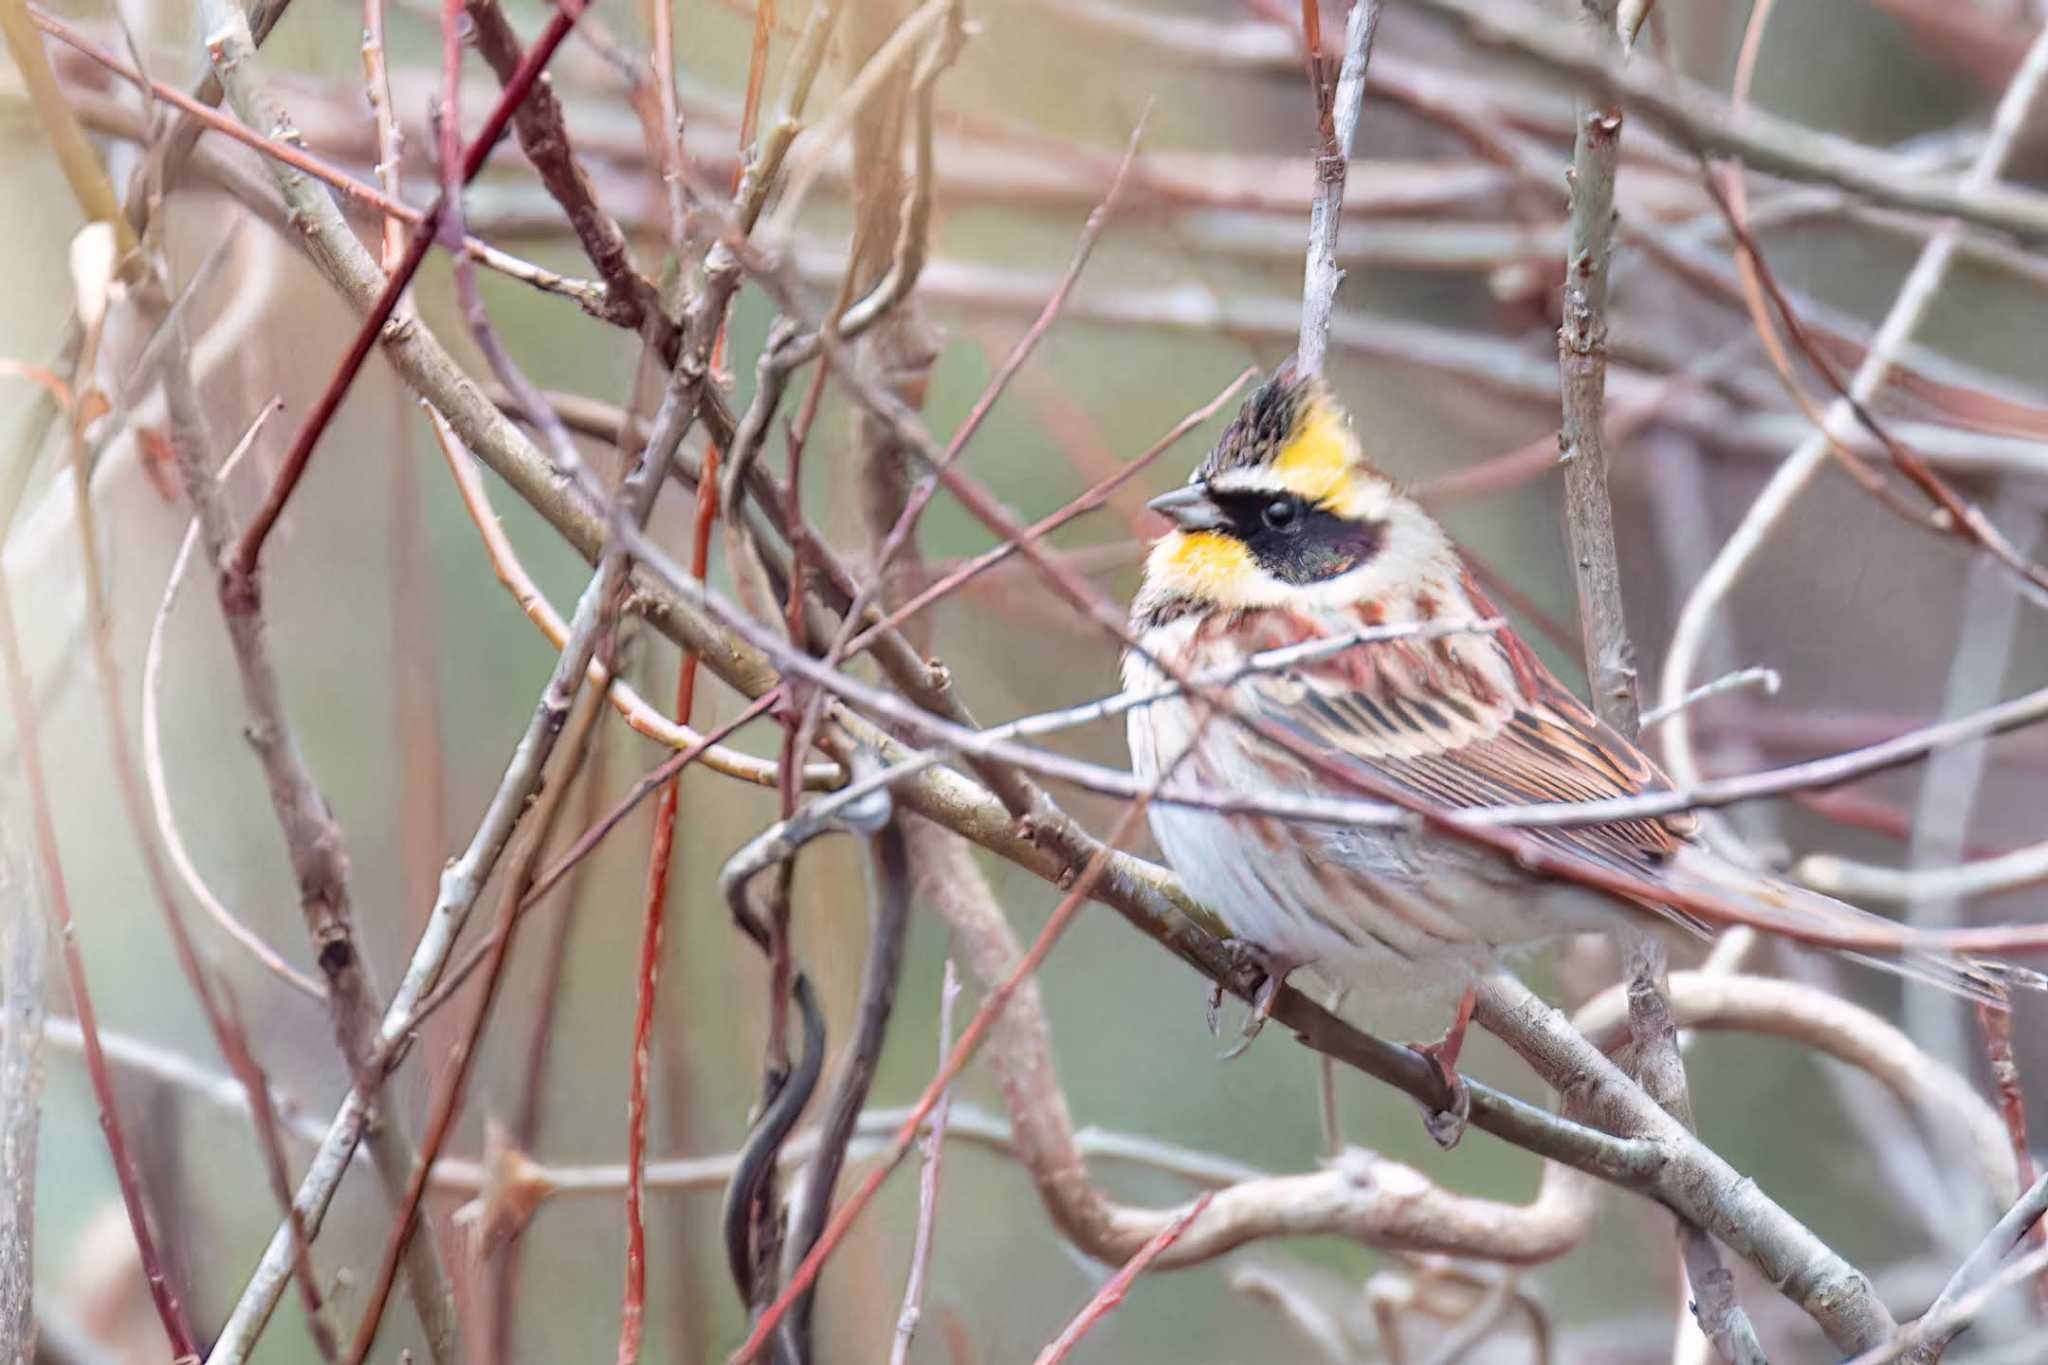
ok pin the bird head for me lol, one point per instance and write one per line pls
(1287, 510)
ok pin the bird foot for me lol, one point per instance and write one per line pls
(1447, 1125)
(1249, 960)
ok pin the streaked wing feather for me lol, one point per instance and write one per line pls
(1401, 713)
(1408, 716)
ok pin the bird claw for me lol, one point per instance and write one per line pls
(1272, 973)
(1446, 1126)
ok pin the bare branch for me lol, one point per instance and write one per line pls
(933, 1155)
(1941, 1323)
(1922, 283)
(1338, 132)
(22, 940)
(1763, 141)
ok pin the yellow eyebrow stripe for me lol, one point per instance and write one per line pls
(1317, 462)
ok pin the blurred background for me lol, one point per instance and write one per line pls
(410, 672)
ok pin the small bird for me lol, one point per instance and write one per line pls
(1286, 535)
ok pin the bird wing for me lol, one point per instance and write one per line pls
(1471, 721)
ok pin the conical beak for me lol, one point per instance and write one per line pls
(1190, 508)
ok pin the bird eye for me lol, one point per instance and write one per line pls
(1281, 513)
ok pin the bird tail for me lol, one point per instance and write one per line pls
(1739, 896)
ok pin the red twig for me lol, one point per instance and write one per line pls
(1996, 1023)
(757, 73)
(1112, 1294)
(184, 1345)
(242, 573)
(633, 1300)
(806, 1273)
(1312, 57)
(377, 85)
(633, 1303)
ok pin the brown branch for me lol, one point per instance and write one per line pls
(631, 299)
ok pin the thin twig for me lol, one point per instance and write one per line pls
(170, 1312)
(228, 32)
(23, 934)
(1697, 117)
(449, 1091)
(1112, 1292)
(1915, 295)
(1337, 132)
(933, 1156)
(1995, 1022)
(1939, 1325)
(256, 1097)
(153, 756)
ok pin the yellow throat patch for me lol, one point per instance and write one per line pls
(1204, 564)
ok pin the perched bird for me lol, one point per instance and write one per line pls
(1287, 535)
